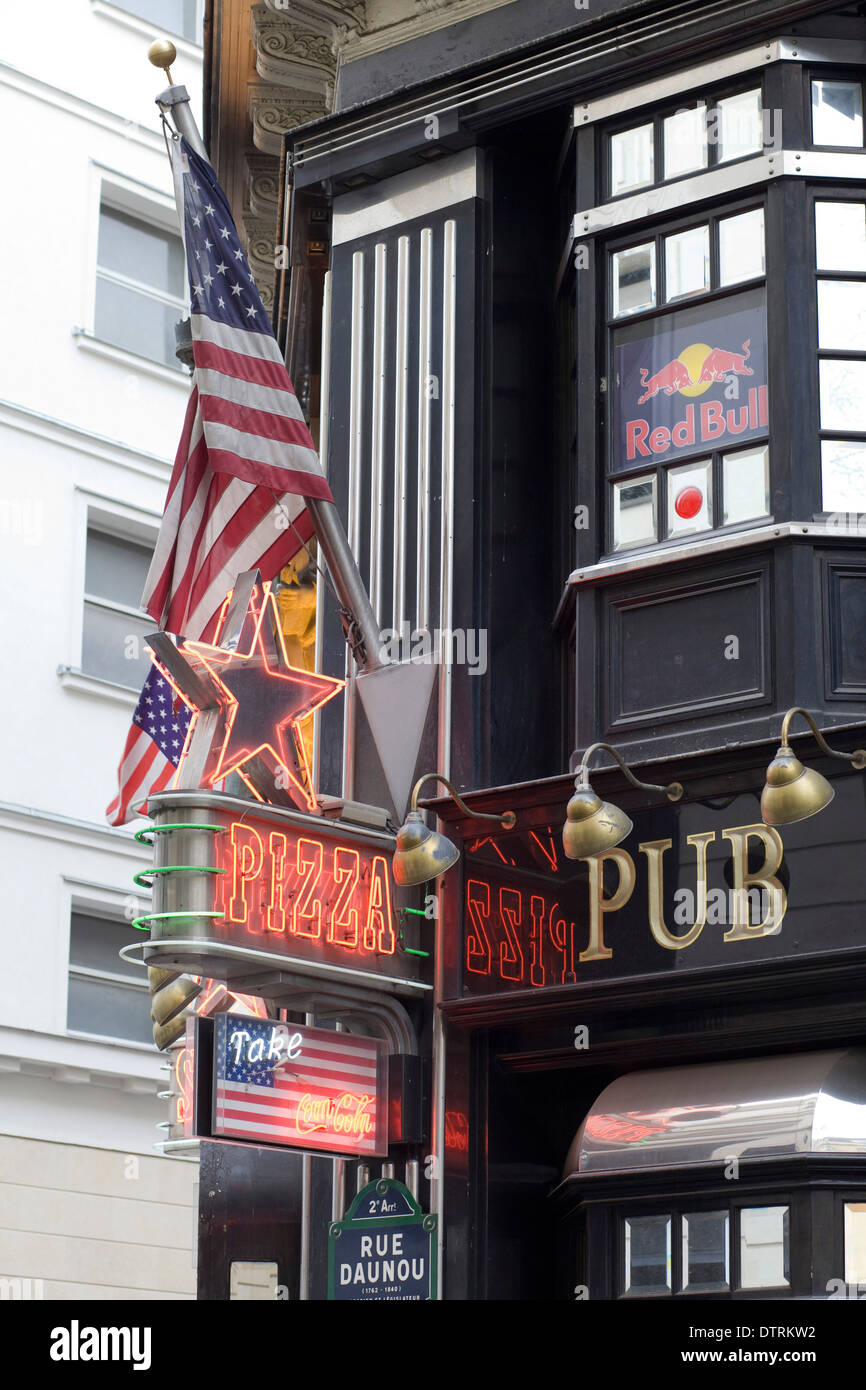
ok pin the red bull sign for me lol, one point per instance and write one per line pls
(684, 385)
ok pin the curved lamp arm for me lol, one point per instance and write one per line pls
(507, 820)
(673, 791)
(857, 758)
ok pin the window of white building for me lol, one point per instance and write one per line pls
(176, 16)
(140, 286)
(107, 996)
(114, 626)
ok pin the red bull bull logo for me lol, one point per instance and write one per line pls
(715, 365)
(697, 367)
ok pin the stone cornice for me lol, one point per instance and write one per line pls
(275, 109)
(297, 49)
(423, 17)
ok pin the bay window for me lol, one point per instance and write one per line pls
(688, 383)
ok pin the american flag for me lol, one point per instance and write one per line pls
(153, 747)
(246, 460)
(309, 1101)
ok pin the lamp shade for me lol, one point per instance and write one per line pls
(421, 853)
(792, 792)
(592, 825)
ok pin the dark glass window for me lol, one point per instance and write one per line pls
(114, 626)
(107, 995)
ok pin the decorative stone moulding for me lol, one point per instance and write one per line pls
(263, 185)
(295, 49)
(260, 248)
(341, 21)
(277, 109)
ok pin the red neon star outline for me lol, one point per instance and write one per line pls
(291, 694)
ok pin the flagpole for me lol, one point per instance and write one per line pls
(362, 633)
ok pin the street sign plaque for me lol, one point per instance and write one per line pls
(384, 1250)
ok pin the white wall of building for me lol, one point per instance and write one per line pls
(86, 430)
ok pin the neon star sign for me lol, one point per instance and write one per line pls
(247, 701)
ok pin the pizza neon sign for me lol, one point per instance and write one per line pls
(299, 888)
(236, 886)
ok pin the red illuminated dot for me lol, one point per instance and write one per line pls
(688, 502)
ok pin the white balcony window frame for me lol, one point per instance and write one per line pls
(93, 899)
(109, 904)
(112, 189)
(93, 511)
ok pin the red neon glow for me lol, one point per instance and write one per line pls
(505, 931)
(536, 934)
(561, 939)
(510, 950)
(264, 701)
(184, 1083)
(343, 925)
(330, 1095)
(478, 953)
(549, 854)
(348, 1115)
(620, 1128)
(214, 992)
(489, 840)
(275, 912)
(379, 931)
(688, 502)
(307, 911)
(456, 1130)
(247, 856)
(304, 892)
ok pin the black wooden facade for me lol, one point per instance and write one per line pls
(486, 327)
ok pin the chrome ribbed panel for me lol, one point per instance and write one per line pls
(401, 401)
(446, 540)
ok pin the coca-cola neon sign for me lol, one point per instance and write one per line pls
(284, 1084)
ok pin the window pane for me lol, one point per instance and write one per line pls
(745, 485)
(143, 253)
(131, 319)
(705, 1251)
(741, 247)
(837, 113)
(113, 1010)
(842, 314)
(843, 475)
(685, 142)
(690, 498)
(113, 646)
(843, 403)
(115, 568)
(739, 128)
(764, 1242)
(634, 512)
(177, 16)
(840, 236)
(648, 1254)
(634, 279)
(687, 262)
(631, 159)
(95, 941)
(855, 1242)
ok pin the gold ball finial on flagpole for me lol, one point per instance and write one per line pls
(162, 54)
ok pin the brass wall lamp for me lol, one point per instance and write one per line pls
(423, 853)
(793, 792)
(592, 825)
